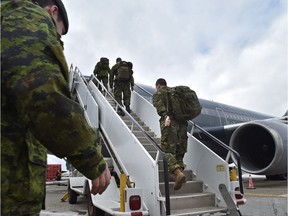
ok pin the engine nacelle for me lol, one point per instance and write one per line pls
(262, 146)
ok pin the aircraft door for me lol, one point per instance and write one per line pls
(222, 116)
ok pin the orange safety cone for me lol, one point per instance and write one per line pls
(251, 185)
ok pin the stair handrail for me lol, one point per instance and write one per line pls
(149, 93)
(219, 142)
(222, 144)
(121, 169)
(159, 149)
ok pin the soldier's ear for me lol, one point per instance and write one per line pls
(53, 11)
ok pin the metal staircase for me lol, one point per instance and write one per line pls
(134, 145)
(190, 199)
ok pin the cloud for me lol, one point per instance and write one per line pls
(234, 52)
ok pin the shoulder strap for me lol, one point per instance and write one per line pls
(168, 99)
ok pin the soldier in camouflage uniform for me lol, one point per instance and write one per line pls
(37, 112)
(102, 71)
(122, 86)
(173, 133)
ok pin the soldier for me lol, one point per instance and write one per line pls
(37, 111)
(122, 77)
(111, 79)
(102, 71)
(173, 133)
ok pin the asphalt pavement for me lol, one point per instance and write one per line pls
(269, 198)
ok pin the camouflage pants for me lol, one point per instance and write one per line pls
(22, 174)
(174, 143)
(104, 80)
(122, 87)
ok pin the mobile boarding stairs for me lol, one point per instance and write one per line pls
(140, 183)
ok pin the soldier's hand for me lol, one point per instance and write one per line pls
(167, 121)
(100, 184)
(132, 88)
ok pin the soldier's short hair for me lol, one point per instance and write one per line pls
(118, 59)
(161, 82)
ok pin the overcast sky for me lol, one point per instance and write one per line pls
(229, 51)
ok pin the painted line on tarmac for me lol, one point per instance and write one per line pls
(63, 213)
(267, 195)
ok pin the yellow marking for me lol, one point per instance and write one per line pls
(64, 197)
(266, 195)
(122, 192)
(233, 175)
(220, 168)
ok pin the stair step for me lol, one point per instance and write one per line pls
(188, 174)
(145, 142)
(188, 187)
(153, 153)
(139, 134)
(204, 211)
(129, 123)
(157, 140)
(127, 118)
(193, 200)
(135, 128)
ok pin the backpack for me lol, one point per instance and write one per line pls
(104, 63)
(123, 71)
(183, 103)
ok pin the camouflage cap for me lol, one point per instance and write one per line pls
(64, 15)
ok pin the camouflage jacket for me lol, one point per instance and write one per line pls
(113, 74)
(37, 111)
(160, 102)
(101, 72)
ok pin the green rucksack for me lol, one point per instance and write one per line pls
(183, 103)
(123, 71)
(104, 63)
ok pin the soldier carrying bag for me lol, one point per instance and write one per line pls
(104, 63)
(183, 103)
(123, 71)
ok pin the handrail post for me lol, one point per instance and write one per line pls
(166, 182)
(239, 172)
(227, 148)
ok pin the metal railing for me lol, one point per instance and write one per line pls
(227, 148)
(219, 142)
(106, 93)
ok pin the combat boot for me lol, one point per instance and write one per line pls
(180, 178)
(128, 109)
(120, 112)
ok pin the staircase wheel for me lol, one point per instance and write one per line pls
(92, 210)
(72, 195)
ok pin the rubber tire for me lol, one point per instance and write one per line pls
(72, 195)
(92, 210)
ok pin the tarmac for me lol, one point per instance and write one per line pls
(269, 198)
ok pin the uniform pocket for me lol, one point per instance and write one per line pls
(37, 161)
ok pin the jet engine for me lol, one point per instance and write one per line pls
(262, 146)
